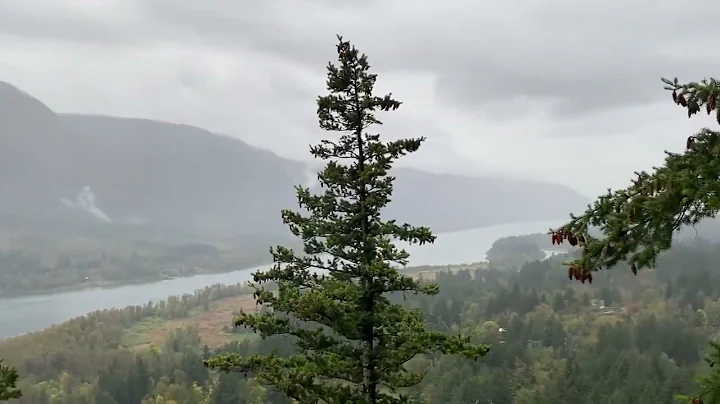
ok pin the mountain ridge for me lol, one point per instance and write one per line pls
(139, 170)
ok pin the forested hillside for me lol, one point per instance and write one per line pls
(623, 339)
(47, 263)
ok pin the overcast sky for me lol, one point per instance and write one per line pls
(564, 90)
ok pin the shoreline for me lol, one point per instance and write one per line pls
(13, 292)
(89, 285)
(420, 271)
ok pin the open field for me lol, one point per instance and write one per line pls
(154, 331)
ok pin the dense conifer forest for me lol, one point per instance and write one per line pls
(623, 339)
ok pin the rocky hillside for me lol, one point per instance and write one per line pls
(67, 167)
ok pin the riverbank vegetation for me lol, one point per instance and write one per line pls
(37, 264)
(622, 339)
(514, 251)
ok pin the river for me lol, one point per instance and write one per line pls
(31, 313)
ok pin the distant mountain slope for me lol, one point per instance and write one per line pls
(184, 177)
(453, 202)
(168, 173)
(34, 154)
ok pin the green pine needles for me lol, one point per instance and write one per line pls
(8, 383)
(638, 222)
(352, 340)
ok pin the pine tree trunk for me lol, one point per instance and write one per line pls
(369, 373)
(369, 361)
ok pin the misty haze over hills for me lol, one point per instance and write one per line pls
(56, 168)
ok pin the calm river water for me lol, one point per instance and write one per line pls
(31, 313)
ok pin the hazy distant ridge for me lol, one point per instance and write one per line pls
(144, 171)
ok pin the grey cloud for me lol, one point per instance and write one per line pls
(121, 24)
(575, 57)
(579, 57)
(62, 30)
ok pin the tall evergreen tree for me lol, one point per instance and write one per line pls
(8, 383)
(352, 341)
(139, 383)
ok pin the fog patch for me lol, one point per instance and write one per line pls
(85, 201)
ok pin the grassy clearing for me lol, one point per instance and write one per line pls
(155, 330)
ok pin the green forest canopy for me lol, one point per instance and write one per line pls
(553, 341)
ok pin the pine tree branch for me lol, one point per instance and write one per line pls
(639, 222)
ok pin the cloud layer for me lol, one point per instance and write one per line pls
(568, 91)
